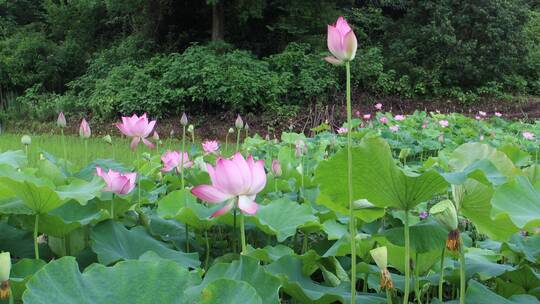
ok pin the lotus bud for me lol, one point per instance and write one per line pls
(107, 139)
(300, 169)
(300, 148)
(84, 129)
(41, 156)
(276, 168)
(246, 126)
(190, 128)
(239, 123)
(445, 213)
(183, 120)
(404, 153)
(61, 121)
(155, 136)
(231, 130)
(267, 137)
(26, 140)
(171, 134)
(5, 269)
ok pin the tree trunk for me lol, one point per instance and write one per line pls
(218, 20)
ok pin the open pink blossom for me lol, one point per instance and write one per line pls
(498, 114)
(84, 129)
(367, 116)
(234, 180)
(443, 123)
(210, 146)
(478, 117)
(378, 106)
(394, 128)
(341, 42)
(383, 119)
(482, 113)
(528, 135)
(342, 130)
(116, 182)
(172, 160)
(138, 128)
(399, 117)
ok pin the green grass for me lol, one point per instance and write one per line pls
(75, 147)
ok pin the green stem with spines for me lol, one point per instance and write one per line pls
(461, 271)
(242, 234)
(352, 219)
(238, 140)
(182, 179)
(441, 278)
(388, 296)
(64, 148)
(407, 258)
(417, 281)
(36, 246)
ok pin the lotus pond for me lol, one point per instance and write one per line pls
(444, 208)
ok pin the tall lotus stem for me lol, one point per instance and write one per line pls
(407, 258)
(64, 147)
(416, 281)
(242, 234)
(226, 144)
(441, 278)
(238, 140)
(85, 151)
(352, 219)
(207, 259)
(461, 271)
(182, 177)
(36, 247)
(112, 207)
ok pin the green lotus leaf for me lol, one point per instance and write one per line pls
(247, 270)
(478, 293)
(80, 190)
(302, 288)
(112, 242)
(126, 282)
(226, 291)
(425, 236)
(16, 159)
(282, 217)
(183, 206)
(518, 200)
(375, 178)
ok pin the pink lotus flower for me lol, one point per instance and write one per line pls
(357, 113)
(341, 42)
(172, 160)
(61, 121)
(537, 229)
(443, 123)
(383, 119)
(482, 113)
(210, 146)
(276, 168)
(137, 127)
(378, 106)
(367, 116)
(231, 179)
(342, 130)
(399, 117)
(119, 183)
(528, 135)
(424, 126)
(394, 128)
(498, 114)
(478, 117)
(84, 129)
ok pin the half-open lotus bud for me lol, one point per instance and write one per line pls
(380, 256)
(445, 213)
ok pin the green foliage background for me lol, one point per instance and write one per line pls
(110, 57)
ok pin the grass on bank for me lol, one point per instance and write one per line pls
(75, 147)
